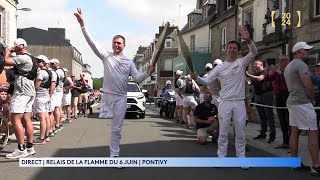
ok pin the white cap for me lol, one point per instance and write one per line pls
(65, 69)
(301, 45)
(20, 41)
(44, 58)
(217, 61)
(209, 65)
(179, 72)
(189, 77)
(168, 82)
(56, 61)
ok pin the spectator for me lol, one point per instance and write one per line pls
(83, 97)
(189, 89)
(178, 82)
(206, 120)
(302, 115)
(267, 16)
(281, 94)
(22, 99)
(75, 92)
(66, 98)
(264, 96)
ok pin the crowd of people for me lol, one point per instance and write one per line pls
(220, 97)
(34, 86)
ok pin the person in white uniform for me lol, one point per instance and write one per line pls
(117, 69)
(189, 89)
(204, 89)
(178, 82)
(232, 77)
(42, 101)
(66, 98)
(215, 86)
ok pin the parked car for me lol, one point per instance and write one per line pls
(136, 100)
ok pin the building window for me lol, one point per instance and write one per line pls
(190, 20)
(8, 27)
(168, 43)
(192, 42)
(316, 8)
(223, 38)
(229, 4)
(205, 13)
(1, 26)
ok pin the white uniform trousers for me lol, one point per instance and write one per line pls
(237, 111)
(114, 107)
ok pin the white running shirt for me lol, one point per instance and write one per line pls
(232, 76)
(116, 68)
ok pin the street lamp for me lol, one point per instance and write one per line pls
(24, 9)
(21, 9)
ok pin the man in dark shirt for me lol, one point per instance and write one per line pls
(75, 92)
(206, 120)
(281, 93)
(264, 96)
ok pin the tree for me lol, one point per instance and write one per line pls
(97, 83)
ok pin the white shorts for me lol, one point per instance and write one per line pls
(66, 99)
(303, 116)
(21, 103)
(178, 100)
(42, 104)
(189, 101)
(56, 100)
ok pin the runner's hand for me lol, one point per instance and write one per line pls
(79, 16)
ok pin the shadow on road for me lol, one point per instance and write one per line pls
(163, 149)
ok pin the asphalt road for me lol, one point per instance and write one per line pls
(149, 137)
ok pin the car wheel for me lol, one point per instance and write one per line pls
(141, 116)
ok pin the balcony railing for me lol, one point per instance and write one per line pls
(272, 33)
(198, 49)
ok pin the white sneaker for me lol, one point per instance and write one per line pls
(16, 154)
(31, 151)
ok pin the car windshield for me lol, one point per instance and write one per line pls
(133, 88)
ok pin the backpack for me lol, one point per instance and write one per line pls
(175, 83)
(2, 57)
(47, 84)
(58, 79)
(189, 88)
(32, 74)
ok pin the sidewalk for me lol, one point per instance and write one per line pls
(252, 130)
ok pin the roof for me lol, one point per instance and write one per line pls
(36, 36)
(200, 22)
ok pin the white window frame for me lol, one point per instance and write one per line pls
(168, 41)
(224, 39)
(190, 20)
(316, 3)
(1, 21)
(229, 4)
(205, 13)
(192, 43)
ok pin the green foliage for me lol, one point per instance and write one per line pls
(97, 83)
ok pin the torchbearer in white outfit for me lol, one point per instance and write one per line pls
(117, 69)
(232, 77)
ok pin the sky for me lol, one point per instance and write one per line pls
(137, 20)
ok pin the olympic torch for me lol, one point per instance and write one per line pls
(159, 45)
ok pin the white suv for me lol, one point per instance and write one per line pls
(136, 100)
